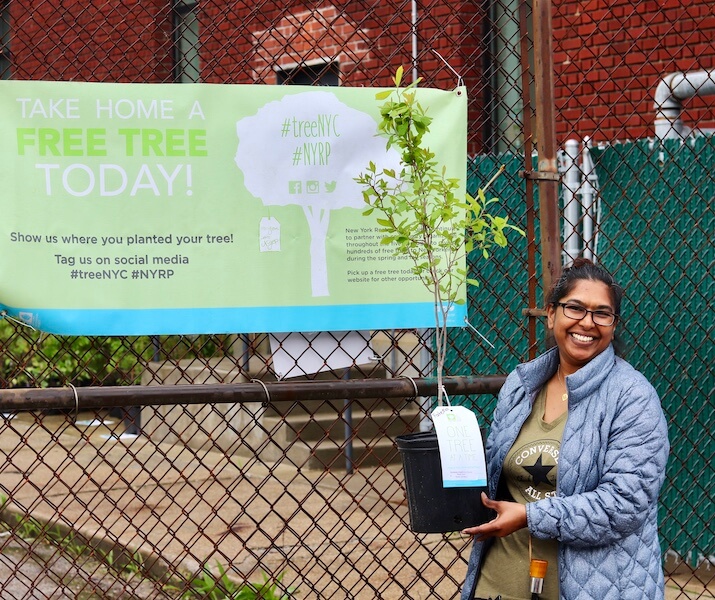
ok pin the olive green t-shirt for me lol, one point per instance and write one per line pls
(529, 472)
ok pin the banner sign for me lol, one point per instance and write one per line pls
(145, 209)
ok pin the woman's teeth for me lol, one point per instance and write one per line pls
(582, 338)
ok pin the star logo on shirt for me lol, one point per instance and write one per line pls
(539, 472)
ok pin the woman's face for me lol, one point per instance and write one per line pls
(580, 341)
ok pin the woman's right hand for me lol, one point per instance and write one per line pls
(511, 516)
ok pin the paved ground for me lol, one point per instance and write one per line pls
(34, 570)
(183, 524)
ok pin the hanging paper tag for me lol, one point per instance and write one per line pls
(461, 450)
(270, 235)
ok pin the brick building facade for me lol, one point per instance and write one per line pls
(609, 55)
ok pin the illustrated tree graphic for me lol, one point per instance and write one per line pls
(300, 150)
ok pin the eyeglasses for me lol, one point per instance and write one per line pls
(603, 318)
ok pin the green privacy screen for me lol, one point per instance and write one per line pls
(654, 232)
(657, 238)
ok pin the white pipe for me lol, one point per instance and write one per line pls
(572, 182)
(588, 197)
(670, 93)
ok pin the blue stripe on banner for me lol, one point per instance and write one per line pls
(461, 484)
(187, 321)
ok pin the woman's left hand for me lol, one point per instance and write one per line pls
(511, 516)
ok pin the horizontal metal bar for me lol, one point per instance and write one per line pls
(63, 398)
(540, 175)
(534, 312)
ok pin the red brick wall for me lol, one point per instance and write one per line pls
(126, 41)
(369, 40)
(609, 57)
(243, 42)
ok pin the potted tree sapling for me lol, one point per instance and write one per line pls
(424, 215)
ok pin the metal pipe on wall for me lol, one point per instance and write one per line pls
(669, 96)
(580, 205)
(528, 165)
(590, 202)
(547, 174)
(572, 207)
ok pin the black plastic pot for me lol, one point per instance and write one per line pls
(432, 507)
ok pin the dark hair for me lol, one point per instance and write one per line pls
(583, 268)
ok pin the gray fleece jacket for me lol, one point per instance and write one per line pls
(611, 467)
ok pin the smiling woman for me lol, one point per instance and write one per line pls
(580, 332)
(576, 457)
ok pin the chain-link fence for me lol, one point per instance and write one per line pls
(185, 466)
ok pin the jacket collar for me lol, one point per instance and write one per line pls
(535, 373)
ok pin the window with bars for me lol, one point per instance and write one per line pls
(319, 74)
